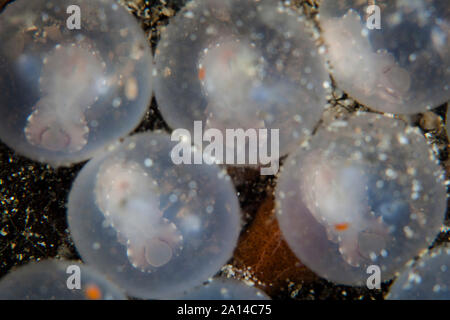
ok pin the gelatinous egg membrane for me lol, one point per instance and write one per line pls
(404, 67)
(225, 289)
(48, 280)
(153, 227)
(240, 64)
(427, 279)
(363, 192)
(68, 93)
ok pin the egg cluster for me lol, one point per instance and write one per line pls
(358, 192)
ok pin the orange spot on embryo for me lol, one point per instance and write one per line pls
(201, 73)
(93, 292)
(341, 226)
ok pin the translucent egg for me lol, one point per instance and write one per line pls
(57, 280)
(67, 92)
(237, 64)
(427, 279)
(394, 57)
(225, 289)
(154, 227)
(362, 193)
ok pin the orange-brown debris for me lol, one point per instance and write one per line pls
(262, 249)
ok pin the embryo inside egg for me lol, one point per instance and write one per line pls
(67, 91)
(241, 65)
(127, 195)
(363, 192)
(58, 122)
(154, 227)
(394, 57)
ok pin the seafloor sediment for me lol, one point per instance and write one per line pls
(33, 196)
